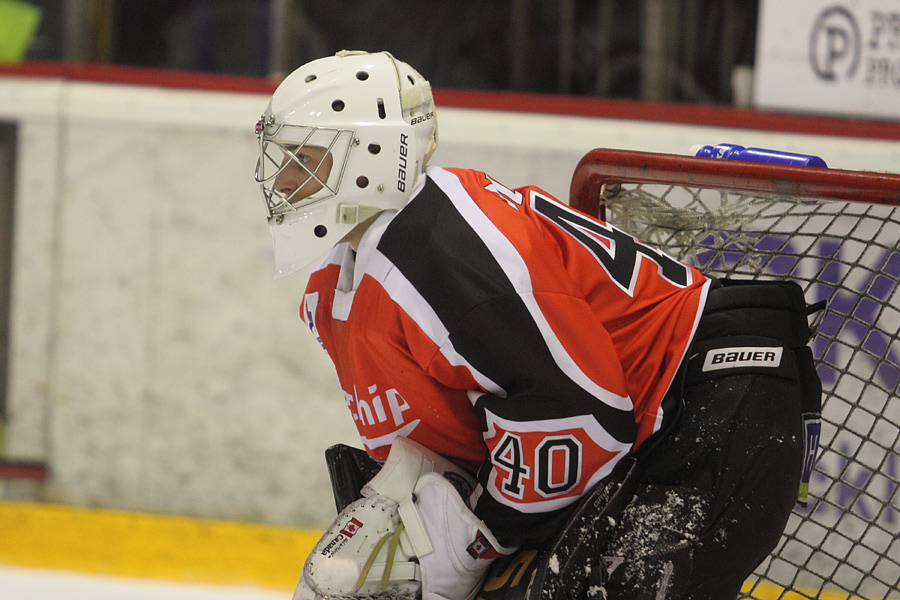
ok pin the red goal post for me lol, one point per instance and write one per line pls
(837, 233)
(603, 165)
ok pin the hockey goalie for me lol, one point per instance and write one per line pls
(548, 407)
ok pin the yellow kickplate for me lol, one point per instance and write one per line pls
(152, 546)
(763, 590)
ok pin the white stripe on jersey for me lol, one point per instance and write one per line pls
(388, 439)
(516, 270)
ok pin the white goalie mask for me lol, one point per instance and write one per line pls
(343, 138)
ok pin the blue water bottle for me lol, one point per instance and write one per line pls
(733, 152)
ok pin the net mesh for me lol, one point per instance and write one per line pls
(846, 542)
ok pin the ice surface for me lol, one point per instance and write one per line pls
(41, 584)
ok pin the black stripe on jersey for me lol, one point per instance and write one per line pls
(449, 265)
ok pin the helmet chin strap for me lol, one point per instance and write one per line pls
(354, 236)
(351, 214)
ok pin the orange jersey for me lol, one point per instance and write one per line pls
(508, 332)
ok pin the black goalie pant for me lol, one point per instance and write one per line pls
(716, 494)
(717, 490)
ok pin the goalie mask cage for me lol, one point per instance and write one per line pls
(837, 234)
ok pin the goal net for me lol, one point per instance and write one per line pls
(837, 234)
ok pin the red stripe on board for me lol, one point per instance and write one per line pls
(139, 76)
(16, 469)
(692, 114)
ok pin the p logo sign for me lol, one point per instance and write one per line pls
(835, 44)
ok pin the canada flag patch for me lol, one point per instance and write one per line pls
(351, 527)
(482, 548)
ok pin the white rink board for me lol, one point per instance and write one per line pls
(155, 365)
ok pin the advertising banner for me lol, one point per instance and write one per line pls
(839, 58)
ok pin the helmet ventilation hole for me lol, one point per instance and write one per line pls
(310, 78)
(362, 181)
(337, 105)
(362, 75)
(374, 148)
(411, 80)
(381, 113)
(320, 231)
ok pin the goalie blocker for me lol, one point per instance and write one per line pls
(700, 505)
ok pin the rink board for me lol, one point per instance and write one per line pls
(178, 549)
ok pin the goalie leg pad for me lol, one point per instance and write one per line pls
(355, 474)
(628, 541)
(650, 555)
(411, 509)
(463, 546)
(406, 463)
(362, 553)
(664, 574)
(572, 563)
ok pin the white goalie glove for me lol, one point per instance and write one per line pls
(412, 536)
